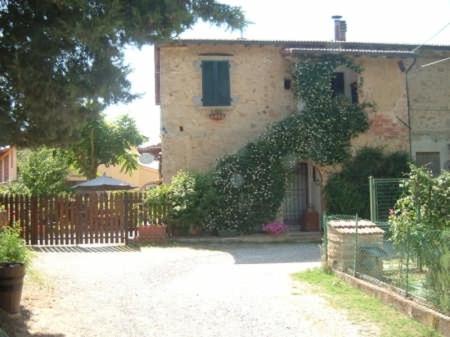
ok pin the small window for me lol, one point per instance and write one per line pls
(287, 84)
(338, 84)
(354, 92)
(430, 160)
(216, 83)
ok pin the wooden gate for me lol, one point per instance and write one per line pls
(79, 219)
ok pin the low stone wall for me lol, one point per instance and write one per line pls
(344, 235)
(415, 310)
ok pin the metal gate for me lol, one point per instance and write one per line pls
(384, 193)
(296, 198)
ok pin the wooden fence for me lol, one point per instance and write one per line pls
(81, 218)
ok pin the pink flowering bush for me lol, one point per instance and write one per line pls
(274, 228)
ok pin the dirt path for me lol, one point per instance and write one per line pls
(241, 290)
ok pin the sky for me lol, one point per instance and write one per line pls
(395, 21)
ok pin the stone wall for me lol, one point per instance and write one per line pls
(191, 140)
(430, 107)
(384, 85)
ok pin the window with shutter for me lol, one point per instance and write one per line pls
(216, 83)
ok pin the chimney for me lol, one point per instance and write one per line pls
(340, 28)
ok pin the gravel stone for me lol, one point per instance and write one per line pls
(242, 290)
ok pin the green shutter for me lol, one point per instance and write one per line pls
(223, 83)
(216, 83)
(208, 83)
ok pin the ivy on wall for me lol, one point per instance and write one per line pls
(250, 184)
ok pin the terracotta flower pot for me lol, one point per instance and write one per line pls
(11, 283)
(311, 221)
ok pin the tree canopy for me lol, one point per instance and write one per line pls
(106, 143)
(58, 57)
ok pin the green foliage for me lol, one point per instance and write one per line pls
(59, 57)
(252, 181)
(347, 192)
(361, 307)
(15, 187)
(12, 246)
(190, 197)
(43, 172)
(421, 227)
(106, 143)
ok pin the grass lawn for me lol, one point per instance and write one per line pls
(362, 307)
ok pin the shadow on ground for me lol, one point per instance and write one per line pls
(243, 253)
(16, 325)
(256, 253)
(85, 249)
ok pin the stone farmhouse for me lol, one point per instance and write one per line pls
(217, 95)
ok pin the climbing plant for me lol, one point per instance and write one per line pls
(252, 181)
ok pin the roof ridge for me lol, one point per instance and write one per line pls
(305, 42)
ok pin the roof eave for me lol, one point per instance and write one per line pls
(354, 52)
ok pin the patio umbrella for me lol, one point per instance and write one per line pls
(103, 183)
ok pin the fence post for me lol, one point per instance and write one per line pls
(125, 216)
(372, 199)
(355, 254)
(325, 236)
(34, 220)
(77, 221)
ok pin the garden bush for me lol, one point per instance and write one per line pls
(42, 172)
(347, 192)
(420, 225)
(190, 197)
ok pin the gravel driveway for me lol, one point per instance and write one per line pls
(230, 291)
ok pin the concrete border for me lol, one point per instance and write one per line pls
(417, 311)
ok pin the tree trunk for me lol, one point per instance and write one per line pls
(92, 170)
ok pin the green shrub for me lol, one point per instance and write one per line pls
(190, 197)
(347, 192)
(44, 171)
(12, 246)
(420, 224)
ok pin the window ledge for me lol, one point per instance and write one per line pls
(214, 107)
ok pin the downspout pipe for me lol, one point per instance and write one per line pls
(408, 104)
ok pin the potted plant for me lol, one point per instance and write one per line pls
(13, 257)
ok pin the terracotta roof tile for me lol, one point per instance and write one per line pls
(349, 227)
